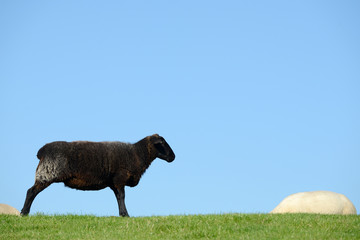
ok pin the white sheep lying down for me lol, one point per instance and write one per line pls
(322, 202)
(9, 210)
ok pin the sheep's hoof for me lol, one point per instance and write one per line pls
(124, 215)
(24, 214)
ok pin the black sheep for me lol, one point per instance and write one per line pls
(96, 165)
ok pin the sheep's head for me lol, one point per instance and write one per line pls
(163, 149)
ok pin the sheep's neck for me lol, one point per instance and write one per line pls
(146, 154)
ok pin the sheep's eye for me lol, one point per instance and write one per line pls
(160, 148)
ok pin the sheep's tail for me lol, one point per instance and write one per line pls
(47, 149)
(41, 153)
(52, 149)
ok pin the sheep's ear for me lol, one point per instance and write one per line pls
(156, 139)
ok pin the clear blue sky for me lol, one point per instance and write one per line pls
(258, 99)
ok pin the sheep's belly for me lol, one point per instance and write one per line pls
(80, 184)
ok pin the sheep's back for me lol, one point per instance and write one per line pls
(85, 150)
(323, 202)
(8, 210)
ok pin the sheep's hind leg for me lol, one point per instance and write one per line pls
(30, 196)
(120, 197)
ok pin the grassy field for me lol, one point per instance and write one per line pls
(226, 226)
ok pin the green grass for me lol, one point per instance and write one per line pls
(225, 226)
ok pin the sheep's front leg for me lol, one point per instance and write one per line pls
(120, 197)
